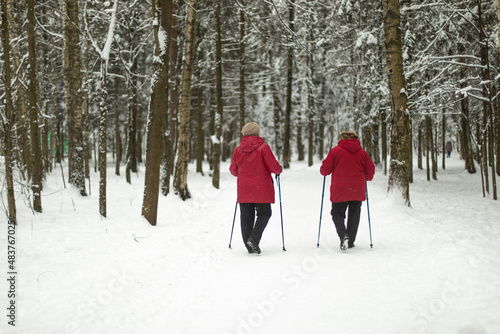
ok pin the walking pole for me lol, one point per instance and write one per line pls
(234, 218)
(368, 208)
(281, 213)
(321, 209)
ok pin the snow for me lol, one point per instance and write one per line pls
(434, 267)
(111, 31)
(214, 139)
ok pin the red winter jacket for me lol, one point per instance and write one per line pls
(350, 167)
(253, 162)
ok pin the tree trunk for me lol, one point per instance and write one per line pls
(277, 110)
(36, 154)
(488, 139)
(427, 149)
(321, 134)
(443, 139)
(73, 94)
(132, 85)
(287, 153)
(311, 111)
(45, 98)
(173, 88)
(217, 146)
(21, 128)
(376, 146)
(467, 153)
(430, 149)
(400, 131)
(242, 65)
(9, 120)
(200, 133)
(419, 146)
(86, 111)
(383, 126)
(497, 123)
(300, 144)
(118, 141)
(102, 94)
(157, 112)
(181, 168)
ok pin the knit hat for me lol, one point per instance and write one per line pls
(348, 135)
(250, 129)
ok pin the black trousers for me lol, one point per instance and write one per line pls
(353, 215)
(251, 227)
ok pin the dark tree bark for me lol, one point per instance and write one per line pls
(217, 146)
(33, 98)
(383, 126)
(200, 133)
(287, 153)
(73, 94)
(9, 120)
(242, 65)
(157, 112)
(118, 141)
(488, 130)
(21, 128)
(102, 95)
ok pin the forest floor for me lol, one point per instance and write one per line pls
(434, 267)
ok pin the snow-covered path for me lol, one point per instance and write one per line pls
(434, 267)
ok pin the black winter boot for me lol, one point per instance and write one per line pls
(344, 243)
(253, 246)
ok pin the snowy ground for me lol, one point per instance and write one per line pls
(434, 267)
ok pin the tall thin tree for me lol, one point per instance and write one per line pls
(217, 146)
(242, 64)
(73, 94)
(33, 98)
(287, 152)
(399, 171)
(181, 167)
(157, 108)
(8, 120)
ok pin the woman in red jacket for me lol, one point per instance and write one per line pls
(253, 162)
(350, 167)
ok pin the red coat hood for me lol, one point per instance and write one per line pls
(250, 143)
(352, 145)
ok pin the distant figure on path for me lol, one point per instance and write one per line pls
(448, 148)
(350, 167)
(253, 162)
